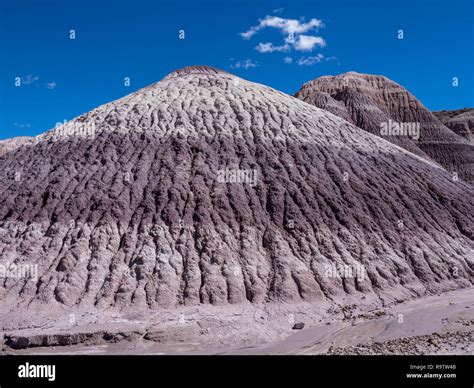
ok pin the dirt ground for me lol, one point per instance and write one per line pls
(439, 324)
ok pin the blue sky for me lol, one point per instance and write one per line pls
(62, 77)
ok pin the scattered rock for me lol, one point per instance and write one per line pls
(452, 342)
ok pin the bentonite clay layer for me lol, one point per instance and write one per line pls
(123, 207)
(369, 100)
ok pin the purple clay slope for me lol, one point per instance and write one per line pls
(460, 121)
(8, 145)
(121, 207)
(369, 100)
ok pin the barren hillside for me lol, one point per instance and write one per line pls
(370, 101)
(206, 188)
(460, 121)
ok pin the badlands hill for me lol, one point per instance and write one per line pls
(370, 101)
(8, 145)
(205, 188)
(460, 121)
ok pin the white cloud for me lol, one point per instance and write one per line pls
(286, 26)
(293, 31)
(288, 60)
(312, 60)
(270, 48)
(249, 33)
(51, 85)
(308, 43)
(245, 64)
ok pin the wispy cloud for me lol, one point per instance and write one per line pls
(22, 125)
(270, 48)
(313, 60)
(295, 34)
(29, 79)
(288, 60)
(51, 85)
(333, 59)
(245, 64)
(278, 10)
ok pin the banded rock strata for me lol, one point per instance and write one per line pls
(122, 207)
(370, 100)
